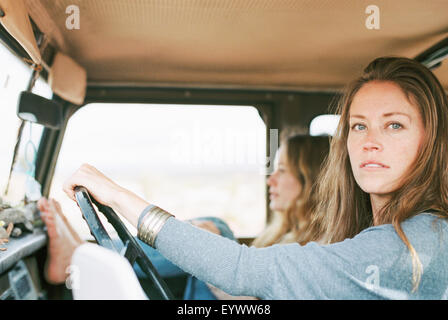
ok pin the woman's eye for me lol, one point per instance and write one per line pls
(395, 126)
(358, 127)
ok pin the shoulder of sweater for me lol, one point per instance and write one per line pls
(421, 218)
(425, 223)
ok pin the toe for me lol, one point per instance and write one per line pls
(42, 204)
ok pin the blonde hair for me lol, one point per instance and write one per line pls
(305, 155)
(344, 209)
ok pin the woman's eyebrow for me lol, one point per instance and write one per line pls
(384, 115)
(357, 116)
(396, 113)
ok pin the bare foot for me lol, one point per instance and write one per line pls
(63, 241)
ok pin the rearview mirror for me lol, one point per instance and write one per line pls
(34, 108)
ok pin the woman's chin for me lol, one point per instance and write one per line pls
(377, 185)
(276, 207)
(376, 189)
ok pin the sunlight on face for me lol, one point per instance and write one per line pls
(386, 133)
(283, 185)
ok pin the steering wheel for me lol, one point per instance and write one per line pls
(133, 252)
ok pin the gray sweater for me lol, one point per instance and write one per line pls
(375, 264)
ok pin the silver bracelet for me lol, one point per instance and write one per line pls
(152, 220)
(143, 214)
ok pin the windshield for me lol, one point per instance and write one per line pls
(194, 160)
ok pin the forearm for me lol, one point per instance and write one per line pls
(234, 268)
(164, 267)
(129, 205)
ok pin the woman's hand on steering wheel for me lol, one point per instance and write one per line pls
(103, 189)
(106, 192)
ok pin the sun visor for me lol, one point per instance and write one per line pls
(68, 79)
(17, 22)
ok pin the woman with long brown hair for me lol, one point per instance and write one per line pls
(416, 186)
(381, 225)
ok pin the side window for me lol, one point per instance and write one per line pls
(193, 161)
(14, 79)
(325, 124)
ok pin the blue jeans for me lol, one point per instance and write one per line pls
(195, 289)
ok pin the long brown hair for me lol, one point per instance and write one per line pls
(305, 156)
(344, 209)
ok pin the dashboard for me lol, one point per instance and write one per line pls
(19, 275)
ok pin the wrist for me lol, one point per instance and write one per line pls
(129, 205)
(152, 220)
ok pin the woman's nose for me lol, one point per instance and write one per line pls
(372, 142)
(271, 180)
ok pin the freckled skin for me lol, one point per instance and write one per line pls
(389, 130)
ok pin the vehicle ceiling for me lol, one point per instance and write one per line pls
(313, 44)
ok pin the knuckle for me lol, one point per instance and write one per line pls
(84, 167)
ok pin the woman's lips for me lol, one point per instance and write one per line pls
(373, 165)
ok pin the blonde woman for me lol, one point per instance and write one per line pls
(291, 194)
(291, 189)
(381, 224)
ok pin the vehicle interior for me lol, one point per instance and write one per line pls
(118, 83)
